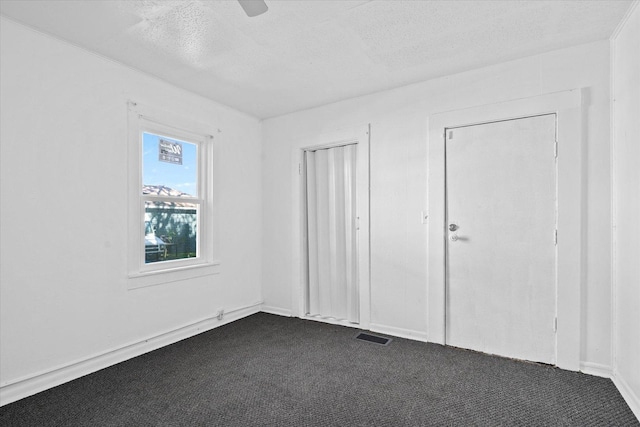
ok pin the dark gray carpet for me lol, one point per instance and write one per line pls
(268, 370)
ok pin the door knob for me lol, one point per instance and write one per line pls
(453, 227)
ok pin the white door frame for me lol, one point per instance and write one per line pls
(356, 135)
(567, 106)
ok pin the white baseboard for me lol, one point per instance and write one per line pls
(605, 371)
(276, 310)
(26, 386)
(596, 369)
(399, 332)
(632, 399)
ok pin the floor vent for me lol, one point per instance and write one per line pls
(373, 338)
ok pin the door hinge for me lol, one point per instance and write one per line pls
(357, 223)
(299, 168)
(555, 149)
(555, 237)
(555, 324)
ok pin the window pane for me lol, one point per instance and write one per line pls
(170, 231)
(169, 166)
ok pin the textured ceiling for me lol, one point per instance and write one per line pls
(301, 54)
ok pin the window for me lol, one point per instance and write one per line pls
(171, 198)
(172, 210)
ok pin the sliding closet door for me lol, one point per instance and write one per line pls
(331, 233)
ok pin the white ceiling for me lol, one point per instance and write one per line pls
(304, 53)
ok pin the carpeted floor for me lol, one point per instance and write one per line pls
(267, 370)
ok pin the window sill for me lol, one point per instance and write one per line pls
(175, 274)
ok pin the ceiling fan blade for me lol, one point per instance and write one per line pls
(253, 7)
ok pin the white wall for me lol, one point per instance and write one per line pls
(64, 287)
(626, 189)
(398, 184)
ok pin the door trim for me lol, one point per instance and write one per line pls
(567, 106)
(356, 135)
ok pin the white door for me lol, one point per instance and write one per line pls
(332, 251)
(501, 253)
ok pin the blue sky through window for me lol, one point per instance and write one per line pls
(158, 173)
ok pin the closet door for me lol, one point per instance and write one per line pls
(331, 233)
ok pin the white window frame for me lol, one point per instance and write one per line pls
(145, 119)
